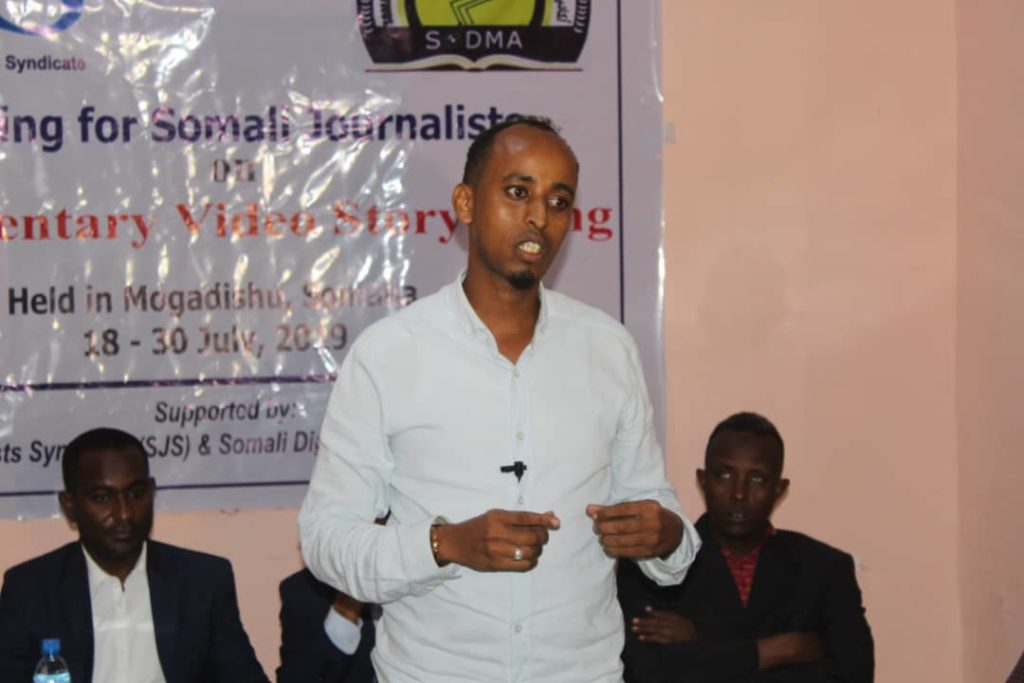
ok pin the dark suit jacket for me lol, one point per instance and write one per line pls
(199, 636)
(800, 585)
(1017, 675)
(307, 654)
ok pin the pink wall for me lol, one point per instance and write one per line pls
(811, 250)
(990, 333)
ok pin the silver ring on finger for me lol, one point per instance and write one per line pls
(517, 555)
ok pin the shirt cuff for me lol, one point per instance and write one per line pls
(672, 570)
(342, 633)
(418, 557)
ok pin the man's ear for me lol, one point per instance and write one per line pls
(702, 478)
(67, 506)
(462, 202)
(780, 491)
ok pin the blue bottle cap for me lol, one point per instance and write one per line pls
(51, 646)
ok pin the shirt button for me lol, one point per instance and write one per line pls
(519, 436)
(519, 628)
(515, 372)
(520, 501)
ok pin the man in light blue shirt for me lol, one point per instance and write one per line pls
(508, 430)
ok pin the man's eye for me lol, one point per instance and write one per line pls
(100, 498)
(517, 192)
(757, 478)
(558, 202)
(725, 475)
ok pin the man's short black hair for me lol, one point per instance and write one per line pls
(476, 157)
(99, 439)
(749, 423)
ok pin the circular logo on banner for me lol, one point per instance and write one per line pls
(68, 13)
(474, 34)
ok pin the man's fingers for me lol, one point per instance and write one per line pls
(632, 552)
(634, 529)
(499, 540)
(611, 519)
(527, 536)
(634, 508)
(626, 542)
(662, 626)
(509, 557)
(638, 552)
(547, 520)
(516, 553)
(652, 629)
(629, 540)
(627, 526)
(649, 624)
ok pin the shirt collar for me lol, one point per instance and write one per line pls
(98, 577)
(753, 552)
(472, 322)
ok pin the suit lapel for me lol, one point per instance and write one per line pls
(725, 586)
(718, 578)
(772, 589)
(163, 597)
(76, 605)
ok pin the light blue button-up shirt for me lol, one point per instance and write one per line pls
(423, 415)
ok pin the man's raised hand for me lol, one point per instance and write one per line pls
(637, 529)
(496, 541)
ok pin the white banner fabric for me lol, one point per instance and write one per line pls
(203, 204)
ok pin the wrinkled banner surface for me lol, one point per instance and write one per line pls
(203, 204)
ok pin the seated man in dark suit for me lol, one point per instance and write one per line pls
(758, 604)
(326, 636)
(125, 608)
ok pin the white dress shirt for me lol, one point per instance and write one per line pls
(424, 413)
(122, 623)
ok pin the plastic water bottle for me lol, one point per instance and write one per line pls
(51, 667)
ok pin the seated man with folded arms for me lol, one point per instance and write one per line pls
(326, 636)
(125, 608)
(759, 604)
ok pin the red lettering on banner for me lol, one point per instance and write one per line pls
(67, 226)
(342, 211)
(249, 222)
(451, 222)
(190, 222)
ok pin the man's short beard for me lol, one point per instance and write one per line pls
(523, 280)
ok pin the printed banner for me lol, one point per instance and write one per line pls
(202, 206)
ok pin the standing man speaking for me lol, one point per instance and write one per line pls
(508, 430)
